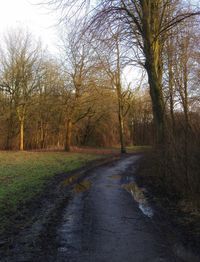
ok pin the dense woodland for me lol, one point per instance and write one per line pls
(85, 96)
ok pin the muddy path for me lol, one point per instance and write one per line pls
(105, 216)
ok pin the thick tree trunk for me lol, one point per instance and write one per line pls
(68, 135)
(157, 104)
(152, 51)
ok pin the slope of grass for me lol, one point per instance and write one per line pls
(23, 175)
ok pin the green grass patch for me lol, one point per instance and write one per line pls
(23, 175)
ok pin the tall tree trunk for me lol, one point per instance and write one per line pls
(21, 134)
(187, 122)
(171, 85)
(42, 135)
(120, 117)
(121, 128)
(120, 98)
(21, 116)
(157, 102)
(153, 64)
(9, 134)
(68, 135)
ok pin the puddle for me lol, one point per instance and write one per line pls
(68, 231)
(112, 186)
(82, 186)
(115, 177)
(127, 179)
(139, 197)
(68, 181)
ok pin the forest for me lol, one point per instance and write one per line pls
(127, 73)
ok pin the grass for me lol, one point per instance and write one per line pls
(23, 175)
(114, 149)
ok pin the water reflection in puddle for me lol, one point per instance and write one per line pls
(138, 195)
(68, 232)
(115, 177)
(127, 180)
(82, 186)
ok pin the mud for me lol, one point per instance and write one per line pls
(104, 216)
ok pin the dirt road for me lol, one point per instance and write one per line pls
(107, 218)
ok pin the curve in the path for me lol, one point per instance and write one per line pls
(104, 224)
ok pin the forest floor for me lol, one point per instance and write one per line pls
(99, 210)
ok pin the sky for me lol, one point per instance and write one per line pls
(40, 21)
(36, 19)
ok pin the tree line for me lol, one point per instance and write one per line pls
(160, 37)
(48, 102)
(84, 97)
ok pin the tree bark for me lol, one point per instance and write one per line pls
(157, 103)
(120, 98)
(21, 116)
(68, 135)
(170, 57)
(121, 130)
(153, 63)
(21, 134)
(121, 118)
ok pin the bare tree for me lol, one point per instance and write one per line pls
(146, 22)
(19, 73)
(77, 68)
(112, 57)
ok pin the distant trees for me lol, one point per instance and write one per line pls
(78, 69)
(112, 57)
(128, 33)
(83, 99)
(181, 94)
(46, 112)
(46, 103)
(20, 70)
(146, 24)
(140, 119)
(160, 34)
